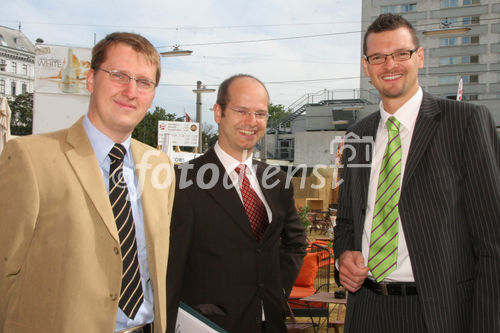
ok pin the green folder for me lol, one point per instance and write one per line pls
(191, 321)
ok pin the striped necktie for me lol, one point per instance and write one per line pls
(131, 295)
(382, 258)
(254, 207)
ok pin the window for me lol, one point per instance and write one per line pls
(471, 2)
(468, 20)
(14, 67)
(2, 41)
(470, 78)
(3, 65)
(471, 97)
(448, 41)
(464, 40)
(459, 21)
(443, 61)
(395, 9)
(450, 79)
(2, 87)
(457, 3)
(13, 88)
(474, 59)
(25, 70)
(448, 61)
(24, 88)
(453, 79)
(449, 3)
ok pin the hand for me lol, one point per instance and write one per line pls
(352, 270)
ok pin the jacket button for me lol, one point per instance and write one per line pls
(113, 297)
(116, 251)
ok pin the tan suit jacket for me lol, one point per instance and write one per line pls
(60, 263)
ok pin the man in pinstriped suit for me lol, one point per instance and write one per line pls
(446, 276)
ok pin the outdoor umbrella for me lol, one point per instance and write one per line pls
(4, 122)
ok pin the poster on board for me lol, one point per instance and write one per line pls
(61, 96)
(61, 69)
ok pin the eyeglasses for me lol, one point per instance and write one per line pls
(378, 59)
(259, 115)
(123, 78)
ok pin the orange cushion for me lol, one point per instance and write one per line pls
(308, 271)
(300, 292)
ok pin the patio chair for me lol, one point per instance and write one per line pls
(314, 277)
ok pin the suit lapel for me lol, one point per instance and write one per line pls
(227, 198)
(371, 131)
(425, 127)
(82, 159)
(268, 192)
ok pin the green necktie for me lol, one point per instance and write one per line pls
(382, 259)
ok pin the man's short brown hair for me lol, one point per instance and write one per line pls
(223, 95)
(389, 22)
(138, 43)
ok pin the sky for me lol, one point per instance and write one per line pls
(296, 47)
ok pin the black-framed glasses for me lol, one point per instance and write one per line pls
(378, 58)
(124, 78)
(259, 115)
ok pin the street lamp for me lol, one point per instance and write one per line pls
(200, 89)
(176, 52)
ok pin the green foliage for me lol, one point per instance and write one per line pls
(209, 135)
(21, 122)
(277, 113)
(304, 216)
(147, 130)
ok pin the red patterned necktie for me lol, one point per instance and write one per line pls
(254, 207)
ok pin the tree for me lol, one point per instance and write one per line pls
(147, 130)
(21, 122)
(277, 113)
(209, 135)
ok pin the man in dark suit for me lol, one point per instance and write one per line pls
(235, 257)
(418, 231)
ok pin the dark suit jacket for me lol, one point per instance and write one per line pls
(450, 213)
(215, 257)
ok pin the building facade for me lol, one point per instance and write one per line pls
(17, 63)
(451, 54)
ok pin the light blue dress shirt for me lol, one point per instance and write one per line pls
(102, 146)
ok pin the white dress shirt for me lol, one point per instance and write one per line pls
(230, 164)
(407, 116)
(102, 146)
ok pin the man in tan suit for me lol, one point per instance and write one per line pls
(60, 248)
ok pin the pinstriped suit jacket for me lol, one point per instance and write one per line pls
(450, 213)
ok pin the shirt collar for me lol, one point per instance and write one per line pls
(407, 113)
(230, 163)
(102, 144)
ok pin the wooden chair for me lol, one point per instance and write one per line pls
(292, 325)
(314, 277)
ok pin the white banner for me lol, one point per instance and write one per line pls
(182, 133)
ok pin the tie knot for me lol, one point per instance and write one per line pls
(393, 124)
(240, 169)
(117, 152)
